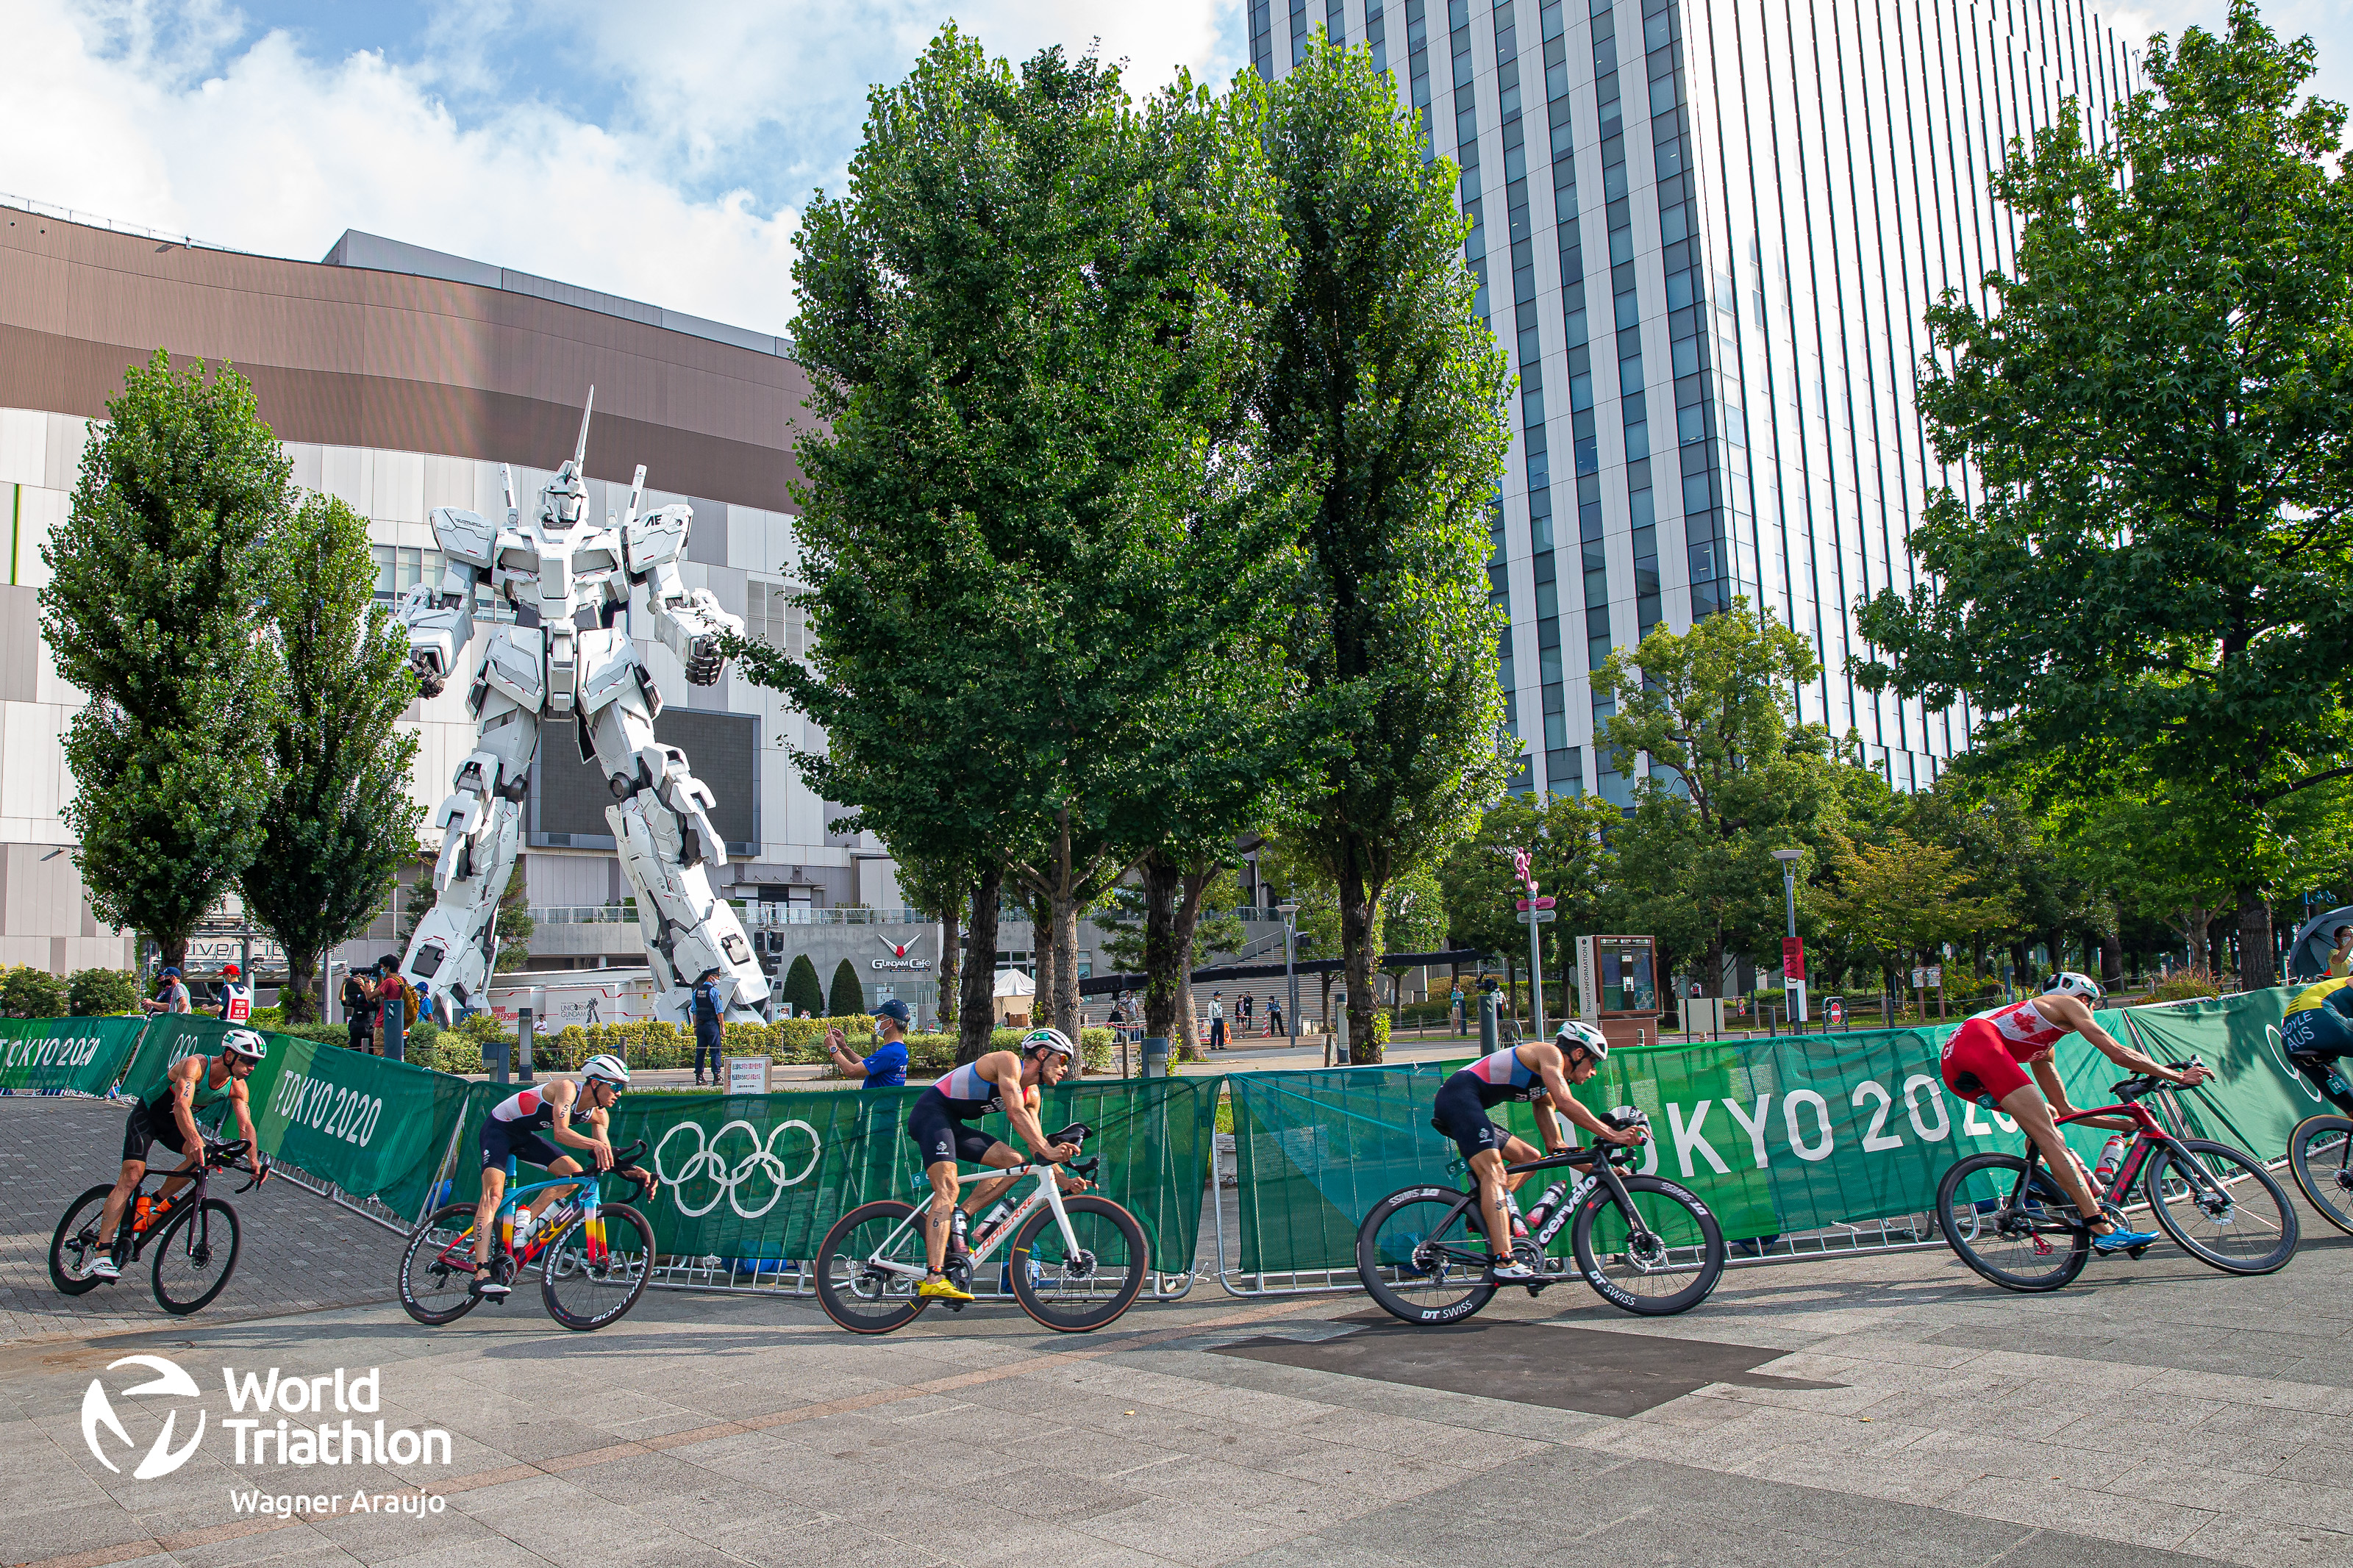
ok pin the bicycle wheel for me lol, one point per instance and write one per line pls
(856, 1294)
(591, 1273)
(74, 1247)
(1668, 1264)
(194, 1256)
(2040, 1244)
(2320, 1155)
(1072, 1291)
(2231, 1214)
(436, 1271)
(1419, 1259)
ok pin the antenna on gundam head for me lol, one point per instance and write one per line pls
(637, 489)
(580, 449)
(506, 478)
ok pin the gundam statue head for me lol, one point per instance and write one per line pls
(562, 649)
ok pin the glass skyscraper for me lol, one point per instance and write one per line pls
(1706, 231)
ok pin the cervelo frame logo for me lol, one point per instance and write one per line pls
(758, 1158)
(97, 1410)
(74, 1051)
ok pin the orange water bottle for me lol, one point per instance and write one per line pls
(139, 1220)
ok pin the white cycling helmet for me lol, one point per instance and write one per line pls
(608, 1067)
(1049, 1039)
(2067, 983)
(1572, 1032)
(245, 1043)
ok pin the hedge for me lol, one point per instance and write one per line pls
(658, 1043)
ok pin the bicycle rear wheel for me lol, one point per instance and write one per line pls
(75, 1247)
(436, 1271)
(2040, 1244)
(2229, 1214)
(1072, 1291)
(1668, 1264)
(2320, 1157)
(595, 1270)
(855, 1292)
(194, 1256)
(1419, 1259)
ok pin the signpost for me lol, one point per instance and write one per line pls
(1793, 947)
(1534, 911)
(747, 1075)
(1837, 1013)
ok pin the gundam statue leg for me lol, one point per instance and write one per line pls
(456, 944)
(662, 829)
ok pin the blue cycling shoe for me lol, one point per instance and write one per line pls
(2122, 1240)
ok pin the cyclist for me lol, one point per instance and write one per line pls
(193, 1084)
(941, 1123)
(2319, 1021)
(1534, 1071)
(1986, 1060)
(513, 1129)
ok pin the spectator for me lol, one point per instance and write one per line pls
(359, 1010)
(707, 1011)
(887, 1067)
(1242, 1010)
(236, 997)
(2340, 962)
(1274, 1016)
(393, 990)
(1217, 1020)
(171, 993)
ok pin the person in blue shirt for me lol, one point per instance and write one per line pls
(887, 1067)
(707, 1007)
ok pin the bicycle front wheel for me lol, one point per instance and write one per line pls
(2221, 1206)
(1419, 1259)
(1074, 1289)
(74, 1247)
(853, 1287)
(1661, 1257)
(2036, 1244)
(436, 1271)
(194, 1256)
(2320, 1157)
(596, 1269)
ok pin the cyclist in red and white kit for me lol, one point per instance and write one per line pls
(573, 1115)
(1983, 1062)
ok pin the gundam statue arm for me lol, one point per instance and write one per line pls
(565, 658)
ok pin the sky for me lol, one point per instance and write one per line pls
(661, 152)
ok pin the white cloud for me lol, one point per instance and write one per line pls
(2328, 23)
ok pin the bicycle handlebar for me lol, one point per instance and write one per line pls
(630, 1156)
(2140, 1084)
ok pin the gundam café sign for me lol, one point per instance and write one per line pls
(898, 962)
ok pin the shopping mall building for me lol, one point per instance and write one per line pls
(400, 380)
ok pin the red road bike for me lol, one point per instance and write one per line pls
(2008, 1218)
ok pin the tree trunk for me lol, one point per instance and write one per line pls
(294, 996)
(2257, 965)
(1041, 956)
(950, 971)
(1184, 920)
(2112, 961)
(976, 1016)
(175, 950)
(1359, 900)
(1163, 969)
(1065, 968)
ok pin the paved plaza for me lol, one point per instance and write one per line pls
(1886, 1410)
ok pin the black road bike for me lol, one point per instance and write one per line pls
(195, 1234)
(2320, 1148)
(1645, 1244)
(2007, 1216)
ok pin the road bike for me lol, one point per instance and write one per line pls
(1076, 1262)
(2320, 1148)
(594, 1258)
(195, 1234)
(2008, 1218)
(1644, 1244)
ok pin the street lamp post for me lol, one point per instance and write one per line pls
(1794, 991)
(1290, 913)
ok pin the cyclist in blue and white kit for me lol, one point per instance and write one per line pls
(513, 1130)
(1534, 1071)
(940, 1122)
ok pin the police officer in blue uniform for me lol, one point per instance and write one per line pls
(708, 1008)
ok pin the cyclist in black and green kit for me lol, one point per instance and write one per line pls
(194, 1084)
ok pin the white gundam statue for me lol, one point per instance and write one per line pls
(568, 655)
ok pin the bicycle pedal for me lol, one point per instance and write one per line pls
(2133, 1252)
(1534, 1292)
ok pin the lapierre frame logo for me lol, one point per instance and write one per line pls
(262, 1441)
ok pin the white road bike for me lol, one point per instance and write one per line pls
(1077, 1261)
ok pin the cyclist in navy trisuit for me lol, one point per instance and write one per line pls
(940, 1122)
(1535, 1071)
(513, 1129)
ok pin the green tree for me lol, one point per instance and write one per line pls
(941, 888)
(2157, 400)
(101, 993)
(1413, 919)
(1568, 842)
(1732, 778)
(803, 993)
(1031, 526)
(1388, 380)
(847, 998)
(29, 993)
(155, 610)
(1902, 900)
(338, 823)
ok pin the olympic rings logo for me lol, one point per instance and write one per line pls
(707, 1162)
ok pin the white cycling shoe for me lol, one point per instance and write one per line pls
(104, 1267)
(1509, 1271)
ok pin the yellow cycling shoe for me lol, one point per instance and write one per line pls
(936, 1289)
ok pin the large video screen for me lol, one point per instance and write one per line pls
(569, 796)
